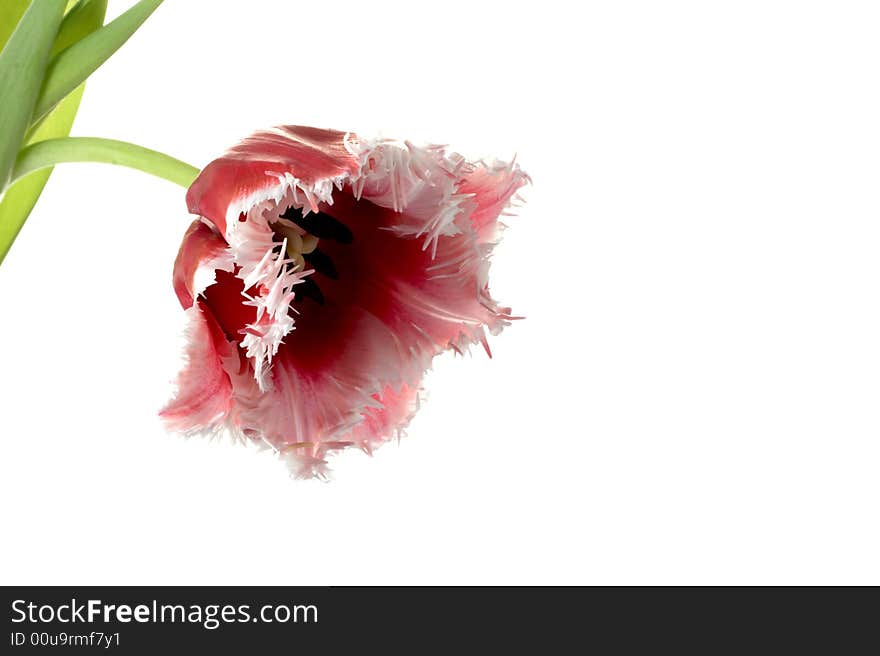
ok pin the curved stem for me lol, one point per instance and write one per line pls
(44, 154)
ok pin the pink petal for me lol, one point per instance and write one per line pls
(204, 392)
(322, 380)
(492, 187)
(390, 412)
(394, 410)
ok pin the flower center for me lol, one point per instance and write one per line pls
(303, 234)
(299, 242)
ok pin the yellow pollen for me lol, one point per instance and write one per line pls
(309, 243)
(298, 244)
(294, 243)
(298, 262)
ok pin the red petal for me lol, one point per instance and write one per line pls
(201, 245)
(308, 154)
(430, 301)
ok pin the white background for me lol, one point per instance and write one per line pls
(694, 395)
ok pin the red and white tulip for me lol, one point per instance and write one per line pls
(324, 274)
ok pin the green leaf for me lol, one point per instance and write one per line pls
(21, 196)
(11, 12)
(72, 66)
(22, 67)
(81, 20)
(17, 203)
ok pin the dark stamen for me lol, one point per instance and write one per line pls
(321, 263)
(319, 224)
(308, 288)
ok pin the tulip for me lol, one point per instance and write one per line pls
(323, 275)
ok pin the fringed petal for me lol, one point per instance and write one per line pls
(204, 392)
(323, 378)
(431, 300)
(492, 188)
(383, 419)
(268, 281)
(387, 418)
(267, 165)
(419, 184)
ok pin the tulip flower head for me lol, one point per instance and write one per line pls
(323, 275)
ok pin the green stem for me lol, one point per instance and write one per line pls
(44, 154)
(48, 153)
